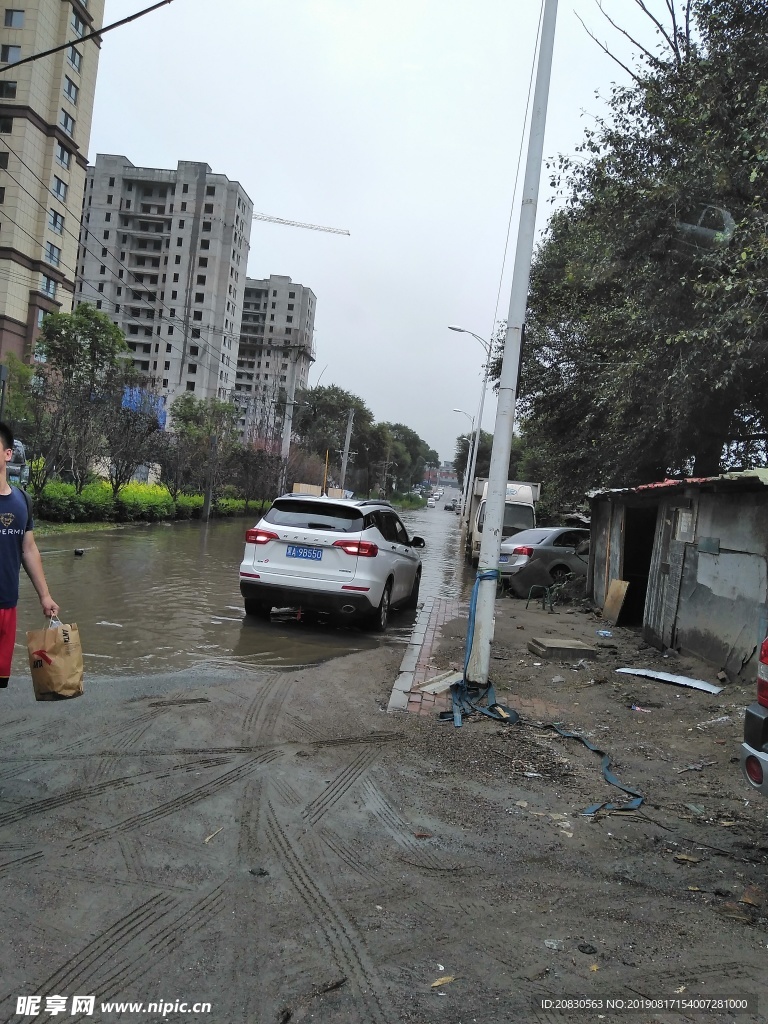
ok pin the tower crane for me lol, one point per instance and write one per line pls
(298, 224)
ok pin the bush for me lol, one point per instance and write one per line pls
(148, 502)
(189, 506)
(229, 507)
(59, 503)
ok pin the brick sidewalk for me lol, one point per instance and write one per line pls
(417, 668)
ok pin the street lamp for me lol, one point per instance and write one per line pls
(472, 457)
(465, 488)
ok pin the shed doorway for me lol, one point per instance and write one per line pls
(639, 535)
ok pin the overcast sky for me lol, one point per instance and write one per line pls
(400, 120)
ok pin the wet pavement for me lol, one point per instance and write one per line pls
(159, 598)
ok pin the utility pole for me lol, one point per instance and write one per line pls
(347, 439)
(480, 656)
(290, 401)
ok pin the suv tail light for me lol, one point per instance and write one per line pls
(754, 770)
(259, 536)
(522, 551)
(363, 548)
(762, 675)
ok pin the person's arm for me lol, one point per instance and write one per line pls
(33, 566)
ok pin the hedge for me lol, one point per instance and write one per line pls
(60, 503)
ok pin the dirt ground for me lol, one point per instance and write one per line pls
(278, 845)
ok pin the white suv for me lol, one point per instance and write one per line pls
(352, 558)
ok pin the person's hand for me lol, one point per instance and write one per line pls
(50, 608)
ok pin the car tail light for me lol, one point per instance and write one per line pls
(762, 675)
(259, 536)
(363, 548)
(754, 770)
(522, 551)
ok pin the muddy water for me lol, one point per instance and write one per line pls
(159, 598)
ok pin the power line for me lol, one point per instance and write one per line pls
(85, 38)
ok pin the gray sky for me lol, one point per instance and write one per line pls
(399, 120)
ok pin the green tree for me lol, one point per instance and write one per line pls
(646, 347)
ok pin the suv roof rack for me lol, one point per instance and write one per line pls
(374, 501)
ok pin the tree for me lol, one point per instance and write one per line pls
(646, 346)
(206, 437)
(408, 456)
(483, 463)
(80, 376)
(130, 430)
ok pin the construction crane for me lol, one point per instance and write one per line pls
(298, 224)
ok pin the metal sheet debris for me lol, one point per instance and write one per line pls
(668, 677)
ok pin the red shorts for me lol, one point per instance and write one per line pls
(7, 639)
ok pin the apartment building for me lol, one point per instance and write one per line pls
(45, 124)
(274, 356)
(164, 253)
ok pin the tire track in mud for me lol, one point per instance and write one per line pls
(262, 713)
(11, 865)
(126, 950)
(169, 807)
(71, 796)
(247, 840)
(345, 945)
(400, 831)
(121, 747)
(345, 853)
(285, 790)
(338, 788)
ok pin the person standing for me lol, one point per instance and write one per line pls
(17, 548)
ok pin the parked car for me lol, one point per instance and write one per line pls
(551, 547)
(18, 467)
(754, 749)
(450, 506)
(353, 558)
(430, 502)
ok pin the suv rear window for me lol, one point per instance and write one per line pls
(311, 515)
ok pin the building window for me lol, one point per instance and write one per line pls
(4, 160)
(48, 285)
(14, 19)
(206, 225)
(59, 189)
(6, 125)
(167, 364)
(2, 195)
(8, 90)
(109, 200)
(177, 260)
(67, 122)
(70, 90)
(199, 297)
(205, 244)
(56, 222)
(107, 217)
(208, 208)
(210, 190)
(52, 254)
(78, 25)
(195, 334)
(291, 295)
(9, 54)
(181, 224)
(194, 350)
(75, 58)
(202, 261)
(63, 156)
(190, 385)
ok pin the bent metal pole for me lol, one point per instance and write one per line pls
(480, 658)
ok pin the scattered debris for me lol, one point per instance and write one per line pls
(586, 948)
(440, 683)
(697, 766)
(668, 677)
(445, 980)
(604, 632)
(558, 679)
(696, 809)
(714, 721)
(422, 835)
(722, 676)
(594, 967)
(733, 912)
(686, 858)
(211, 836)
(636, 707)
(259, 872)
(556, 944)
(753, 896)
(331, 986)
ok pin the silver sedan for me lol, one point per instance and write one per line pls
(552, 548)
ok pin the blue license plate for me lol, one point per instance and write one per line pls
(503, 558)
(296, 551)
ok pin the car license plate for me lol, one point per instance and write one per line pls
(297, 551)
(503, 558)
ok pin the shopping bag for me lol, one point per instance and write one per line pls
(56, 661)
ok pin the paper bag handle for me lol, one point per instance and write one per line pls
(54, 623)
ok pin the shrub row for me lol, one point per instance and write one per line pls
(60, 503)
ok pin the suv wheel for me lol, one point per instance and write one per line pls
(257, 609)
(413, 599)
(380, 617)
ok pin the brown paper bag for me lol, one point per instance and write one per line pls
(56, 661)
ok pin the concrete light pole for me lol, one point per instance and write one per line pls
(472, 453)
(480, 656)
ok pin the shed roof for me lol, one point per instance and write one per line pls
(745, 480)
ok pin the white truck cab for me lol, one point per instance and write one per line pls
(519, 512)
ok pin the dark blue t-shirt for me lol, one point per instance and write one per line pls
(15, 520)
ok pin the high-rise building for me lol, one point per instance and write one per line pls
(45, 125)
(164, 253)
(273, 360)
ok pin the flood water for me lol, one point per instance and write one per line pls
(159, 598)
